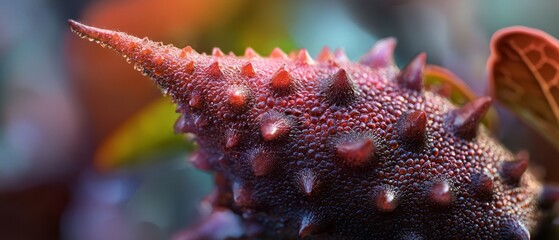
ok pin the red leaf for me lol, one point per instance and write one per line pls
(523, 76)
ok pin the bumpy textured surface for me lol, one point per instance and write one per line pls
(328, 148)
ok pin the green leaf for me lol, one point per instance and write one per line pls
(143, 138)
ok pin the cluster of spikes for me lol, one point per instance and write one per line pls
(339, 89)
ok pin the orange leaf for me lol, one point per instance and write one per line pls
(523, 76)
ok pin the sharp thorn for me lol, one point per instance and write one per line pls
(411, 77)
(464, 122)
(381, 55)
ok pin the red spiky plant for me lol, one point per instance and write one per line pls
(335, 149)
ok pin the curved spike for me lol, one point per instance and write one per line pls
(214, 70)
(340, 55)
(307, 181)
(278, 53)
(282, 81)
(483, 186)
(200, 161)
(231, 139)
(412, 128)
(237, 96)
(189, 68)
(464, 122)
(147, 55)
(303, 57)
(195, 99)
(217, 52)
(385, 200)
(184, 124)
(261, 162)
(339, 88)
(381, 55)
(356, 151)
(325, 55)
(221, 223)
(247, 70)
(241, 195)
(512, 171)
(292, 55)
(274, 125)
(250, 53)
(514, 230)
(412, 75)
(186, 51)
(549, 196)
(200, 121)
(441, 194)
(309, 226)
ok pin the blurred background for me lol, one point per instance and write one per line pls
(87, 149)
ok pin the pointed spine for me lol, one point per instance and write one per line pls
(187, 51)
(339, 88)
(217, 52)
(381, 55)
(464, 122)
(514, 230)
(411, 77)
(277, 53)
(200, 121)
(237, 96)
(340, 55)
(147, 56)
(356, 151)
(247, 70)
(214, 70)
(241, 195)
(200, 161)
(325, 55)
(195, 99)
(261, 162)
(385, 200)
(250, 53)
(189, 67)
(440, 194)
(281, 81)
(482, 186)
(231, 139)
(412, 127)
(309, 225)
(512, 171)
(303, 57)
(307, 181)
(274, 125)
(184, 124)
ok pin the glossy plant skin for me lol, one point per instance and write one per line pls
(328, 148)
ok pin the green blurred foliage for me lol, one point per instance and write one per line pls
(143, 138)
